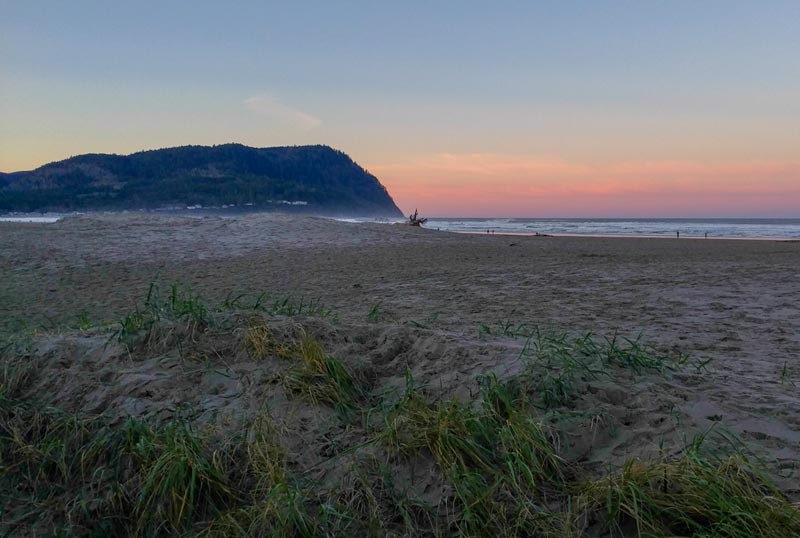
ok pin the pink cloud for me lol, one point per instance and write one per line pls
(493, 184)
(269, 107)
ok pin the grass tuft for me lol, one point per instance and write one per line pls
(180, 477)
(558, 364)
(321, 378)
(290, 305)
(694, 496)
(145, 325)
(15, 376)
(260, 342)
(498, 457)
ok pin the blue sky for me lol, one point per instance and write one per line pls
(400, 85)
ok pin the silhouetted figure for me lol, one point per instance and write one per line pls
(706, 235)
(678, 234)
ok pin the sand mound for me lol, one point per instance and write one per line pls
(343, 396)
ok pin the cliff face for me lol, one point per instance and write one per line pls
(312, 179)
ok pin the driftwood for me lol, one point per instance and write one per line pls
(415, 220)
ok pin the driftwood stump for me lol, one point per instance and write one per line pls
(415, 220)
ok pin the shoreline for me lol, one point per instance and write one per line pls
(43, 219)
(789, 239)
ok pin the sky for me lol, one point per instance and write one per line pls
(527, 109)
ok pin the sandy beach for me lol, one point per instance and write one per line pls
(445, 307)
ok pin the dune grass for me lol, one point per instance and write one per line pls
(498, 457)
(692, 496)
(558, 364)
(292, 305)
(171, 319)
(495, 456)
(322, 379)
(15, 374)
(131, 479)
(178, 477)
(58, 468)
(260, 341)
(147, 325)
(67, 475)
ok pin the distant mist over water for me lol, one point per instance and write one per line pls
(39, 220)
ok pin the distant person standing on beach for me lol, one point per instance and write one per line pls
(678, 234)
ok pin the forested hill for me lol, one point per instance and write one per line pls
(313, 179)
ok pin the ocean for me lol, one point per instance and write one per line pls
(715, 228)
(733, 228)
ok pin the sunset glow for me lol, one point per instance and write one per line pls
(539, 109)
(509, 185)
